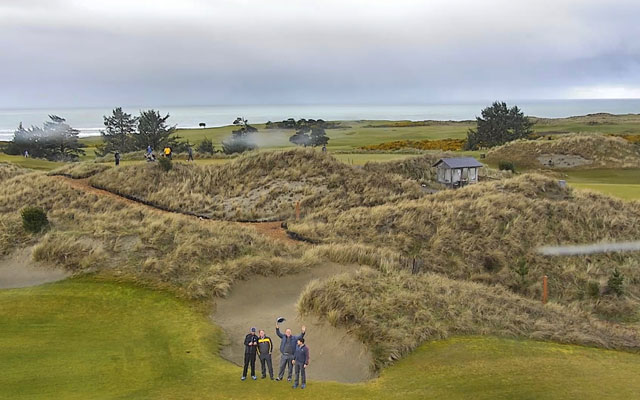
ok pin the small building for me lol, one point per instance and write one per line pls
(459, 171)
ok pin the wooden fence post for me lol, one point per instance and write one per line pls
(297, 211)
(545, 290)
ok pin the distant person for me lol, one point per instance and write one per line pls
(149, 150)
(250, 350)
(324, 148)
(301, 361)
(287, 350)
(26, 154)
(116, 155)
(167, 152)
(265, 347)
(190, 153)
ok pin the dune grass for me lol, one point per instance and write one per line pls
(601, 151)
(8, 170)
(395, 312)
(258, 186)
(86, 338)
(79, 170)
(88, 232)
(486, 232)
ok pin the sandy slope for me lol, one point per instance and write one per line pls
(258, 301)
(19, 270)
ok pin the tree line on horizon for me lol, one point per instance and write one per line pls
(56, 140)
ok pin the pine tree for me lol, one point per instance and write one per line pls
(318, 136)
(153, 130)
(61, 140)
(120, 132)
(498, 125)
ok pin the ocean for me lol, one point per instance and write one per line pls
(89, 120)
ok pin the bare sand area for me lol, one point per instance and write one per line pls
(335, 354)
(19, 270)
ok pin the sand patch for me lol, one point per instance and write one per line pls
(562, 160)
(335, 354)
(20, 270)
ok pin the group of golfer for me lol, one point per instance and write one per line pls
(294, 355)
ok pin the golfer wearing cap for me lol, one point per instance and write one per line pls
(287, 348)
(250, 350)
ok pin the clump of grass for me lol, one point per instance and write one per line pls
(79, 170)
(165, 164)
(395, 313)
(8, 171)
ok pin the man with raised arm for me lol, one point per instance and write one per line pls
(287, 350)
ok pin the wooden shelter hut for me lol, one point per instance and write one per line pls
(458, 171)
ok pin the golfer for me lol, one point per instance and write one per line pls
(301, 361)
(287, 350)
(250, 350)
(265, 347)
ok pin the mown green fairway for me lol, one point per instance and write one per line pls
(622, 183)
(32, 163)
(84, 338)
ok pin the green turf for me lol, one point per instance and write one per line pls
(622, 183)
(32, 163)
(84, 338)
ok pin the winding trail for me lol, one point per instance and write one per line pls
(272, 230)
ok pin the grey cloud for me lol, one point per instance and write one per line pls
(196, 52)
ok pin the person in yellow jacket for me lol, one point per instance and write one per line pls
(265, 347)
(167, 152)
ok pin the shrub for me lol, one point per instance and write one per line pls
(614, 284)
(206, 146)
(593, 289)
(506, 166)
(34, 219)
(521, 270)
(165, 164)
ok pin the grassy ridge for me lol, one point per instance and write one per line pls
(91, 339)
(486, 232)
(195, 259)
(601, 151)
(396, 312)
(258, 185)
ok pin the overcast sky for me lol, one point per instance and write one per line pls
(194, 52)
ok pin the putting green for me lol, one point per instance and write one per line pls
(86, 338)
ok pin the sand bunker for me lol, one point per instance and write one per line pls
(335, 354)
(19, 270)
(562, 160)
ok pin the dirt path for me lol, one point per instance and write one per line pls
(19, 270)
(257, 302)
(273, 230)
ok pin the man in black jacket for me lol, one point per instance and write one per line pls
(250, 350)
(287, 348)
(265, 347)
